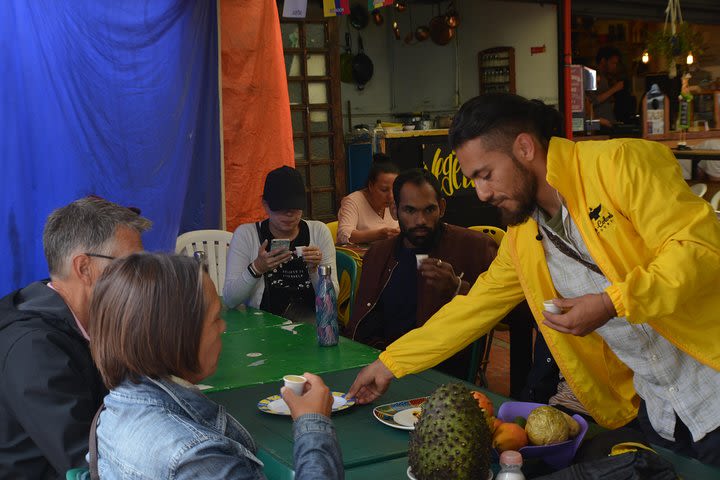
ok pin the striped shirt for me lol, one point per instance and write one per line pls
(669, 380)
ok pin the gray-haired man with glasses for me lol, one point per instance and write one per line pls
(49, 386)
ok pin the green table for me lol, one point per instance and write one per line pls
(248, 318)
(370, 449)
(268, 351)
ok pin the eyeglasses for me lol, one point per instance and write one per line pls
(97, 255)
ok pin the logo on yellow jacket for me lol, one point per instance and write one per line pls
(600, 219)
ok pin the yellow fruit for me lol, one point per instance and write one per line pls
(546, 425)
(509, 436)
(573, 425)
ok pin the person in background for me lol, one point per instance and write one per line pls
(49, 386)
(279, 281)
(610, 233)
(155, 420)
(603, 99)
(365, 216)
(396, 294)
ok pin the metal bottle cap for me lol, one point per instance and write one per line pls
(324, 270)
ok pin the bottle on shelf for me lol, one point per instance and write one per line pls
(378, 134)
(326, 309)
(510, 466)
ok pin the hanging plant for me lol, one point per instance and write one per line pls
(674, 47)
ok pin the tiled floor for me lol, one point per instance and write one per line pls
(498, 372)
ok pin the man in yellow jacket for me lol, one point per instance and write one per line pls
(613, 234)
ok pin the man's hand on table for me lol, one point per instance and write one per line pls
(316, 398)
(582, 315)
(370, 383)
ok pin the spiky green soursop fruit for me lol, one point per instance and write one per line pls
(452, 439)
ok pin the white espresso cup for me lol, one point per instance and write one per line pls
(296, 383)
(549, 306)
(419, 258)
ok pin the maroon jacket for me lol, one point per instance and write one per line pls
(468, 251)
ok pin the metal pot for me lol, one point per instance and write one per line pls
(440, 32)
(362, 66)
(422, 33)
(425, 124)
(359, 16)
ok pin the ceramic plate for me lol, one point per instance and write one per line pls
(400, 414)
(276, 405)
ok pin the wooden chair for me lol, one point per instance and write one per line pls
(215, 244)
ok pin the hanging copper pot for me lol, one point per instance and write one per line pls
(378, 17)
(396, 30)
(451, 16)
(440, 32)
(422, 33)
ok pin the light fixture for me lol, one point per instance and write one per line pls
(690, 59)
(645, 57)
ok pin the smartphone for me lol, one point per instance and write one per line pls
(279, 244)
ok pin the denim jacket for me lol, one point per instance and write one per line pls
(159, 429)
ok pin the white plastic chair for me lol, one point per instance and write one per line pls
(215, 244)
(699, 189)
(715, 201)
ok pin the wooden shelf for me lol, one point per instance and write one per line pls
(496, 67)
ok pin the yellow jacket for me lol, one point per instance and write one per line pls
(657, 243)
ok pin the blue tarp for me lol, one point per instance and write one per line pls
(113, 97)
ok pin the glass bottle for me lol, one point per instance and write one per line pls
(510, 466)
(378, 134)
(326, 309)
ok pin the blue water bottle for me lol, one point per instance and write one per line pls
(326, 309)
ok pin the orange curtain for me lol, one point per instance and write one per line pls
(256, 108)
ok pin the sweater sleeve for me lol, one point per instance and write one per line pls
(461, 321)
(672, 221)
(347, 219)
(239, 284)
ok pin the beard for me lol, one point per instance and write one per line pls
(524, 194)
(423, 239)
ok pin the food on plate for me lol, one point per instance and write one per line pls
(452, 438)
(417, 413)
(509, 436)
(546, 425)
(484, 403)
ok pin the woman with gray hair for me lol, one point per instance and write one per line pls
(156, 334)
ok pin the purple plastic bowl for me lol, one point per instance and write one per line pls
(558, 455)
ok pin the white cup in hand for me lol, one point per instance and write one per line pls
(549, 306)
(299, 251)
(419, 258)
(296, 383)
